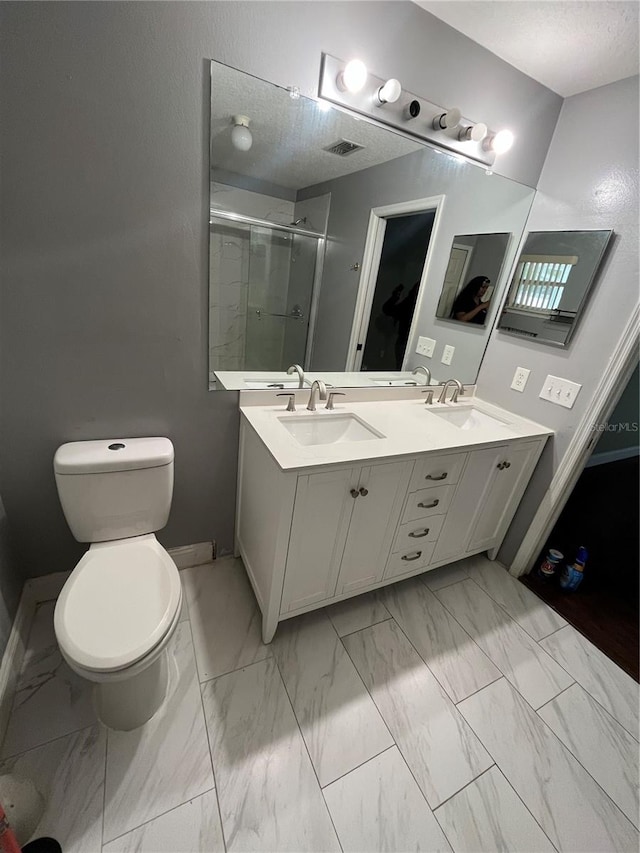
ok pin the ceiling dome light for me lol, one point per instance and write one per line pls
(474, 132)
(241, 137)
(500, 142)
(354, 76)
(390, 92)
(444, 121)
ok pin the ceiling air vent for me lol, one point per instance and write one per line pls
(343, 147)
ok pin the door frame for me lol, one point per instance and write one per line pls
(618, 371)
(371, 262)
(469, 252)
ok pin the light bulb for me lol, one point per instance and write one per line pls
(444, 121)
(354, 76)
(474, 132)
(500, 142)
(241, 137)
(390, 92)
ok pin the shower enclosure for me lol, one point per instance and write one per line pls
(263, 276)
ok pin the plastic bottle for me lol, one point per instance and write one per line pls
(571, 576)
(550, 563)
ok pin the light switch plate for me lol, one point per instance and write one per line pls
(560, 391)
(425, 346)
(520, 378)
(447, 354)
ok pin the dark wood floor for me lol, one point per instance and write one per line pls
(602, 514)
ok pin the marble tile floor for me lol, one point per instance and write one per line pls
(452, 711)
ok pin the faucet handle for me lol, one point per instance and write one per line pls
(291, 405)
(333, 394)
(429, 399)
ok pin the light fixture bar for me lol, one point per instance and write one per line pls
(398, 114)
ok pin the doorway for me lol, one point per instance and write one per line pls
(396, 259)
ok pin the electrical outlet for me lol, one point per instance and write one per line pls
(520, 378)
(447, 354)
(425, 346)
(560, 391)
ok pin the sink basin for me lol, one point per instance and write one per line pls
(328, 429)
(467, 417)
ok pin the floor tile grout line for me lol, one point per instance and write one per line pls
(104, 784)
(364, 628)
(206, 728)
(362, 764)
(588, 772)
(496, 665)
(553, 698)
(497, 764)
(157, 817)
(568, 750)
(466, 785)
(546, 636)
(304, 743)
(16, 755)
(475, 692)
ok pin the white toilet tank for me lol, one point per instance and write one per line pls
(116, 488)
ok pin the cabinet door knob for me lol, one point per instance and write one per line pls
(354, 493)
(364, 492)
(429, 506)
(500, 466)
(441, 477)
(415, 535)
(507, 464)
(409, 558)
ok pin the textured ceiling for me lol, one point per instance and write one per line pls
(289, 134)
(569, 46)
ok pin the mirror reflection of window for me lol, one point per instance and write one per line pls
(473, 271)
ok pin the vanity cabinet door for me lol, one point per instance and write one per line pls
(469, 500)
(511, 474)
(321, 516)
(374, 519)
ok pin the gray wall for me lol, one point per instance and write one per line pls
(590, 180)
(104, 210)
(11, 580)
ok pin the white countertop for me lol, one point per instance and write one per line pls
(408, 427)
(254, 380)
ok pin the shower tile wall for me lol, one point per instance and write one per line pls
(243, 273)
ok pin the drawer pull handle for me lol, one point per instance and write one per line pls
(423, 505)
(364, 492)
(410, 559)
(441, 477)
(354, 493)
(500, 466)
(415, 535)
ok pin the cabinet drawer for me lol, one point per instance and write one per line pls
(409, 561)
(415, 534)
(437, 470)
(426, 502)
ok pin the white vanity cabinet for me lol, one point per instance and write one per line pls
(314, 536)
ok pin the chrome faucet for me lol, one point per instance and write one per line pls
(295, 368)
(457, 390)
(425, 370)
(319, 387)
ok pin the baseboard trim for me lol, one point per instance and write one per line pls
(14, 654)
(192, 555)
(612, 456)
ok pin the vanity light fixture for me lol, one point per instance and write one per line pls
(353, 78)
(474, 132)
(390, 92)
(447, 120)
(499, 142)
(241, 136)
(412, 110)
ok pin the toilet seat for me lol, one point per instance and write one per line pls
(119, 603)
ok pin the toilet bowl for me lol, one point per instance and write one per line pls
(121, 605)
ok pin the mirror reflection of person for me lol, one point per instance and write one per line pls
(402, 313)
(469, 306)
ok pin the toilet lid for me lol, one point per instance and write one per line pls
(118, 603)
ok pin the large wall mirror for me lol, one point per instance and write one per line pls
(551, 283)
(330, 240)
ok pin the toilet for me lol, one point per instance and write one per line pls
(121, 604)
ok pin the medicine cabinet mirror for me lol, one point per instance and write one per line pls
(293, 185)
(551, 283)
